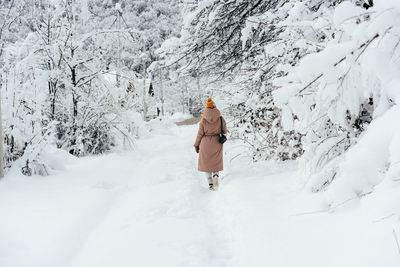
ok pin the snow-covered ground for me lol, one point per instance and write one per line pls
(151, 207)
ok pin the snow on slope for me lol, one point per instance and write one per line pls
(150, 207)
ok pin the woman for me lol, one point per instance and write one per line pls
(207, 143)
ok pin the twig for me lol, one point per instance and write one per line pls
(332, 208)
(384, 218)
(235, 157)
(350, 199)
(310, 212)
(365, 45)
(308, 85)
(397, 241)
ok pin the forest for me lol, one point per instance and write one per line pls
(299, 80)
(311, 83)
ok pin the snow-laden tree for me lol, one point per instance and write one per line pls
(211, 34)
(26, 127)
(60, 63)
(1, 144)
(210, 44)
(247, 44)
(9, 18)
(331, 97)
(146, 23)
(138, 30)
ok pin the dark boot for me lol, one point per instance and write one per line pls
(210, 183)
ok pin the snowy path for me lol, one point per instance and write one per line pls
(151, 207)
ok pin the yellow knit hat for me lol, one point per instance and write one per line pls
(210, 103)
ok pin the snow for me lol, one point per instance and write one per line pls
(309, 69)
(287, 119)
(346, 11)
(150, 207)
(362, 170)
(118, 7)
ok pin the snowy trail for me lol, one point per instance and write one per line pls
(151, 207)
(161, 220)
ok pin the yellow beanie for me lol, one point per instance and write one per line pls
(210, 103)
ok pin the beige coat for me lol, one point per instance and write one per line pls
(211, 152)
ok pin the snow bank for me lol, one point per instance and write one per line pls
(374, 158)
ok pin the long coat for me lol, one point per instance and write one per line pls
(211, 152)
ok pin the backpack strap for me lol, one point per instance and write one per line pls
(222, 128)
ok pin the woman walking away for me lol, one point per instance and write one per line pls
(208, 143)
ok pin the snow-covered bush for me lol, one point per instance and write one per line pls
(332, 95)
(25, 124)
(59, 62)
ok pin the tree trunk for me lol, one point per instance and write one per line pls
(162, 92)
(52, 94)
(144, 83)
(74, 97)
(118, 77)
